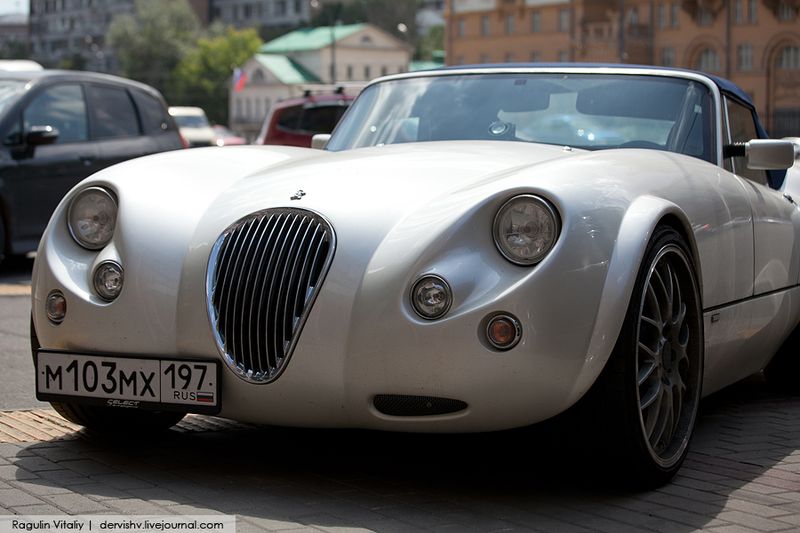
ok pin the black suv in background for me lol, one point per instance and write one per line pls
(58, 127)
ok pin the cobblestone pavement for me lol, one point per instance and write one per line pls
(743, 474)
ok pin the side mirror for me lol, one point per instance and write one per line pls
(320, 141)
(41, 135)
(763, 154)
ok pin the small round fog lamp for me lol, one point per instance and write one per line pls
(431, 297)
(56, 307)
(108, 278)
(503, 332)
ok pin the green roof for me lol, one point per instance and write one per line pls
(424, 65)
(309, 39)
(286, 70)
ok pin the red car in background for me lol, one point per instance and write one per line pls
(294, 122)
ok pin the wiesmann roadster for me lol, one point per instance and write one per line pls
(475, 249)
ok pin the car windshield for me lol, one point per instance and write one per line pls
(590, 111)
(192, 121)
(9, 91)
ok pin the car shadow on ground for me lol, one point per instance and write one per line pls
(743, 469)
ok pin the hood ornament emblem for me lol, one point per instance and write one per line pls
(298, 195)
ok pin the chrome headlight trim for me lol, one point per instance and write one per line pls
(517, 330)
(448, 290)
(96, 282)
(75, 235)
(496, 228)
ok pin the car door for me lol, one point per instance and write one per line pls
(42, 175)
(776, 218)
(114, 125)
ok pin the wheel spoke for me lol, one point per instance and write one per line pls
(652, 416)
(670, 418)
(661, 425)
(677, 408)
(671, 295)
(652, 395)
(652, 355)
(652, 322)
(656, 306)
(646, 372)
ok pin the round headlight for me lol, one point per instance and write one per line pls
(525, 229)
(108, 280)
(91, 218)
(431, 297)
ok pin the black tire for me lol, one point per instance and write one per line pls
(2, 239)
(646, 399)
(117, 421)
(783, 371)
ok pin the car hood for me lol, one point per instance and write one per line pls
(394, 178)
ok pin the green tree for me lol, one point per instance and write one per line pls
(203, 77)
(431, 43)
(150, 43)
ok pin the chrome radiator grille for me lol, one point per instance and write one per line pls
(263, 276)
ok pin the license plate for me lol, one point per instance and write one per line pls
(163, 384)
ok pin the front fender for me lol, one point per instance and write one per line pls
(637, 227)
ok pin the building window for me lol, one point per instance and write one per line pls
(745, 56)
(673, 14)
(738, 11)
(563, 56)
(248, 11)
(536, 56)
(509, 57)
(367, 72)
(633, 16)
(789, 58)
(752, 11)
(510, 25)
(484, 58)
(662, 16)
(350, 72)
(280, 8)
(708, 61)
(536, 22)
(384, 70)
(705, 17)
(668, 57)
(786, 12)
(563, 20)
(485, 25)
(462, 28)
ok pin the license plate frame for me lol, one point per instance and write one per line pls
(139, 364)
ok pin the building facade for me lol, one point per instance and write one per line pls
(309, 59)
(260, 13)
(13, 34)
(73, 32)
(755, 43)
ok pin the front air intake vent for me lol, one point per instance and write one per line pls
(263, 276)
(404, 405)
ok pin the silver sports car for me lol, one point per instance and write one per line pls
(475, 249)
